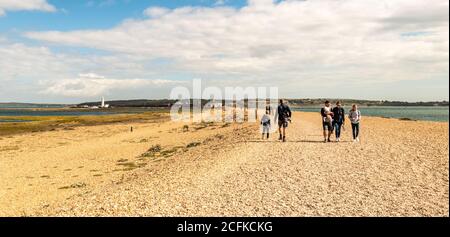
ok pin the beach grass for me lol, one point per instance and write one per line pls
(51, 123)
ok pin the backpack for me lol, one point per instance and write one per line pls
(283, 111)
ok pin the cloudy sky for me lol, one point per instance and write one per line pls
(74, 51)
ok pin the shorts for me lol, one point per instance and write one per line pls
(265, 129)
(327, 126)
(283, 123)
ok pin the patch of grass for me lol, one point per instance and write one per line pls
(407, 119)
(9, 148)
(155, 148)
(219, 136)
(203, 125)
(215, 137)
(131, 165)
(169, 153)
(193, 144)
(157, 151)
(75, 185)
(153, 151)
(51, 123)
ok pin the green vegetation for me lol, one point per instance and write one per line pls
(203, 125)
(193, 144)
(317, 102)
(152, 151)
(9, 148)
(130, 166)
(75, 185)
(407, 119)
(157, 151)
(51, 123)
(225, 125)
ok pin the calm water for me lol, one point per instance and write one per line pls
(438, 113)
(24, 112)
(416, 113)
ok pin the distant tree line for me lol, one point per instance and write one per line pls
(315, 102)
(293, 102)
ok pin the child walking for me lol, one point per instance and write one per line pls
(265, 124)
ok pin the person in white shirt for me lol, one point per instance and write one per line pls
(265, 124)
(355, 118)
(327, 121)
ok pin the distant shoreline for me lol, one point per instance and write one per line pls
(164, 103)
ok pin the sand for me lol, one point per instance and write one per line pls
(400, 168)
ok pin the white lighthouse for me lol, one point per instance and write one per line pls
(103, 105)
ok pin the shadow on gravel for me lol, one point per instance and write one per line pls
(296, 141)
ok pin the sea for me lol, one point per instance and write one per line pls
(426, 113)
(25, 110)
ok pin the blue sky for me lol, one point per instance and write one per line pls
(88, 14)
(74, 51)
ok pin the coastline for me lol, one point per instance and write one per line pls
(443, 117)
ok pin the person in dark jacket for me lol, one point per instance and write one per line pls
(338, 120)
(283, 116)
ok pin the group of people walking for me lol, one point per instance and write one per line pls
(333, 120)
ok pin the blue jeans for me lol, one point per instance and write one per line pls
(355, 130)
(337, 129)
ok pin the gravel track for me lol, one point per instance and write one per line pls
(396, 170)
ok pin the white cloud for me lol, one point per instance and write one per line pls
(92, 85)
(299, 46)
(91, 76)
(3, 39)
(286, 40)
(25, 5)
(156, 11)
(19, 61)
(220, 2)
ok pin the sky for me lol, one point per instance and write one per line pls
(61, 51)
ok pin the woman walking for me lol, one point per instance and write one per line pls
(355, 118)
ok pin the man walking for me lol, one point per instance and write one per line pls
(284, 116)
(338, 120)
(327, 118)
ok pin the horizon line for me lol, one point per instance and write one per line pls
(368, 100)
